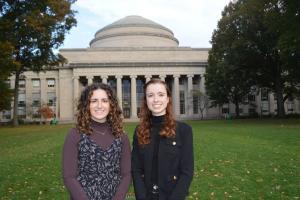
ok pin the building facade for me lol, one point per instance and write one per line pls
(126, 54)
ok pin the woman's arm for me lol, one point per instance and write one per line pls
(125, 170)
(137, 171)
(186, 163)
(70, 162)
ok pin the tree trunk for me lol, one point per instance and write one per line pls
(280, 102)
(279, 94)
(16, 100)
(237, 109)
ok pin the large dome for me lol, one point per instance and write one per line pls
(134, 31)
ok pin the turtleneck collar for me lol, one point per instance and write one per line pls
(96, 124)
(157, 119)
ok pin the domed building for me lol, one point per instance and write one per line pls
(125, 54)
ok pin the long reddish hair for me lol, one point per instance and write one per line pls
(143, 131)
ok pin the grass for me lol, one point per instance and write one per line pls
(237, 159)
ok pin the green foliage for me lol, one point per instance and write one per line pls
(258, 41)
(236, 159)
(6, 95)
(29, 31)
(227, 80)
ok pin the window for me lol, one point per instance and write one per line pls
(21, 83)
(264, 94)
(7, 114)
(126, 99)
(36, 99)
(22, 99)
(35, 83)
(251, 111)
(182, 103)
(51, 82)
(251, 97)
(22, 112)
(35, 112)
(195, 104)
(265, 107)
(51, 99)
(196, 79)
(181, 81)
(139, 94)
(7, 82)
(225, 110)
(290, 106)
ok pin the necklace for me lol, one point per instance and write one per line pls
(102, 132)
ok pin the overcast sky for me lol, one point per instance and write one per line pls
(192, 21)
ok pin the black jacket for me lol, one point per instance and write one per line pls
(175, 165)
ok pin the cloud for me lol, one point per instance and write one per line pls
(192, 21)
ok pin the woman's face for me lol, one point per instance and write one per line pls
(99, 105)
(157, 99)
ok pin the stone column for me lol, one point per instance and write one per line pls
(90, 79)
(12, 86)
(190, 94)
(202, 84)
(119, 89)
(57, 98)
(104, 79)
(44, 91)
(162, 77)
(75, 89)
(176, 94)
(28, 98)
(202, 90)
(133, 97)
(148, 78)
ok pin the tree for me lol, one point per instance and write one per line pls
(33, 29)
(266, 46)
(6, 94)
(227, 79)
(202, 101)
(46, 113)
(5, 62)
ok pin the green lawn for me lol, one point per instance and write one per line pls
(237, 159)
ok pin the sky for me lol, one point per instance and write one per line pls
(192, 21)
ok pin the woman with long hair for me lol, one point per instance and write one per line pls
(96, 154)
(162, 154)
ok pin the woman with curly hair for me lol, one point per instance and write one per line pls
(96, 154)
(162, 154)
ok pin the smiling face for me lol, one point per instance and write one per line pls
(99, 105)
(157, 99)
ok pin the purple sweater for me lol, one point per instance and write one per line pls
(103, 137)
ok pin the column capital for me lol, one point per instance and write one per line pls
(133, 76)
(190, 75)
(89, 77)
(176, 75)
(104, 76)
(75, 77)
(162, 76)
(148, 76)
(119, 76)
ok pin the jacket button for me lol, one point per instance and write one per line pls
(174, 143)
(174, 177)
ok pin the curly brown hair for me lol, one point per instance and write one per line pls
(143, 131)
(114, 117)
